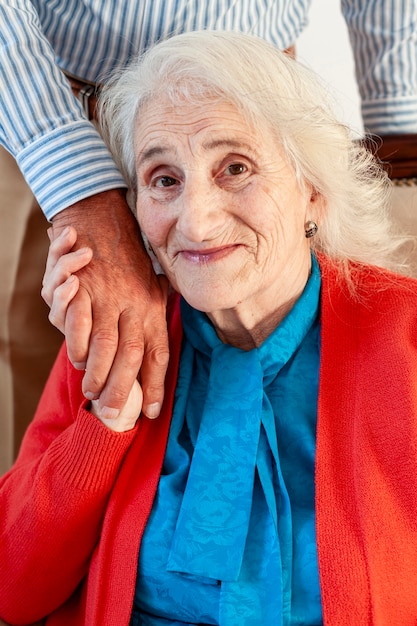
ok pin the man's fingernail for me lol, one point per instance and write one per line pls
(152, 410)
(80, 365)
(90, 395)
(109, 414)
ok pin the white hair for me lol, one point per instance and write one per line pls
(279, 94)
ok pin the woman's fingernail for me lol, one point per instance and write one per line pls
(152, 410)
(108, 413)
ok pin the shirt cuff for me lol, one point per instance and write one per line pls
(390, 116)
(68, 165)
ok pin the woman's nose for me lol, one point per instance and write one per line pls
(201, 215)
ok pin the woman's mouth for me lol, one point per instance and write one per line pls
(207, 256)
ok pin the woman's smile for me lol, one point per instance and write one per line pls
(206, 256)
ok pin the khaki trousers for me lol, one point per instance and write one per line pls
(404, 211)
(28, 342)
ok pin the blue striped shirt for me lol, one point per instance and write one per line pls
(61, 154)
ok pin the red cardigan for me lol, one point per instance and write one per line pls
(75, 504)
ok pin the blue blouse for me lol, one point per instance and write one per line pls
(231, 536)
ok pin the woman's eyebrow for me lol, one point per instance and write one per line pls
(149, 153)
(228, 143)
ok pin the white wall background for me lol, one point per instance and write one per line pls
(324, 46)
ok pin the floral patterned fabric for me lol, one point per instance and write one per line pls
(231, 537)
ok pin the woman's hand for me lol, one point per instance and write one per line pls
(60, 284)
(129, 414)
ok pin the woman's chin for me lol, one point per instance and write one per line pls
(208, 299)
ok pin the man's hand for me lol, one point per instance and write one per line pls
(117, 318)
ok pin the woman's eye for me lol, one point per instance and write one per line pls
(235, 169)
(165, 181)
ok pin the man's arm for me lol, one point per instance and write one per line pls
(59, 152)
(77, 183)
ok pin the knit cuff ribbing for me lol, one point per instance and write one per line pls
(89, 454)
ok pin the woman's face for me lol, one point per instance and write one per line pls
(221, 208)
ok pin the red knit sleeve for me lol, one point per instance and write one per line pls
(53, 499)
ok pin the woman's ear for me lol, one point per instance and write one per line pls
(315, 213)
(317, 206)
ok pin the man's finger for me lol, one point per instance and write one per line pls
(152, 377)
(78, 325)
(125, 366)
(116, 346)
(155, 362)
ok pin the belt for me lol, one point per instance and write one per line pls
(87, 94)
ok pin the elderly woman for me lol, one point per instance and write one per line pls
(279, 484)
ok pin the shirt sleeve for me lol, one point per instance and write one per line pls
(59, 152)
(383, 34)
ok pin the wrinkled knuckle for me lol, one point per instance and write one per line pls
(132, 352)
(105, 341)
(160, 356)
(93, 383)
(119, 395)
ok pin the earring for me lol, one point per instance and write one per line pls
(310, 229)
